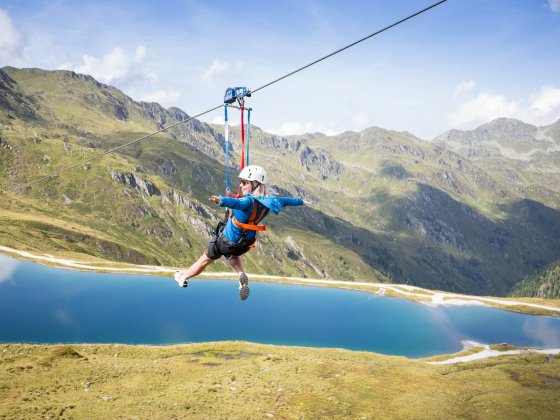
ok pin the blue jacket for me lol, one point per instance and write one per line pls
(243, 207)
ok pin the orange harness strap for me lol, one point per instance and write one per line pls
(253, 220)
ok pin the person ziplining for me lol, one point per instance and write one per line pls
(236, 234)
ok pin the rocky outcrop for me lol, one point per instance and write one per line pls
(180, 115)
(108, 104)
(553, 131)
(199, 226)
(321, 161)
(503, 137)
(5, 145)
(13, 101)
(181, 201)
(166, 167)
(77, 76)
(155, 112)
(501, 128)
(281, 143)
(132, 181)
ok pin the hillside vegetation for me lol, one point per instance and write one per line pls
(463, 213)
(241, 380)
(543, 284)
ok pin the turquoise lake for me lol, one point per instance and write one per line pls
(40, 304)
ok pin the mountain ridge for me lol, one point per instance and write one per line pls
(386, 206)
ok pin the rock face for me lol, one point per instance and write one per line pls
(320, 161)
(13, 101)
(133, 181)
(4, 144)
(502, 137)
(501, 128)
(553, 131)
(156, 112)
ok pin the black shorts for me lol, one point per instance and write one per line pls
(221, 246)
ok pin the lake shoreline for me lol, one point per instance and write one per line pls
(424, 296)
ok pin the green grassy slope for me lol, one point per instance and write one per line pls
(419, 213)
(241, 380)
(86, 210)
(386, 206)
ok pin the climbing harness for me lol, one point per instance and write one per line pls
(220, 245)
(232, 95)
(252, 223)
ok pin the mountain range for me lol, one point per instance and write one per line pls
(470, 211)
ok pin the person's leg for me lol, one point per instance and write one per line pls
(198, 267)
(237, 264)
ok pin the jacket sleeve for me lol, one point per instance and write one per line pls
(290, 201)
(244, 203)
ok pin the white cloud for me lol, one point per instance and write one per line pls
(149, 75)
(554, 5)
(539, 108)
(165, 98)
(463, 87)
(112, 66)
(219, 68)
(360, 119)
(7, 268)
(545, 104)
(542, 331)
(291, 128)
(10, 39)
(217, 120)
(485, 107)
(126, 71)
(140, 53)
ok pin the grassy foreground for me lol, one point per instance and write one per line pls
(242, 380)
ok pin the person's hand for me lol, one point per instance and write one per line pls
(215, 199)
(307, 203)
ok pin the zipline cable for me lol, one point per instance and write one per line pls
(350, 45)
(54, 174)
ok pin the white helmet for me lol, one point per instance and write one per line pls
(253, 173)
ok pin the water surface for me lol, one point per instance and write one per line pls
(40, 304)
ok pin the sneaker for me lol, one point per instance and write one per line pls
(180, 281)
(243, 286)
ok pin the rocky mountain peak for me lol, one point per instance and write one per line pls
(553, 131)
(498, 129)
(509, 128)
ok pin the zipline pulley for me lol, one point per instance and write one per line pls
(232, 95)
(236, 94)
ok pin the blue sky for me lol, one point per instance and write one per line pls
(459, 65)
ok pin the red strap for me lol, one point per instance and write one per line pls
(242, 138)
